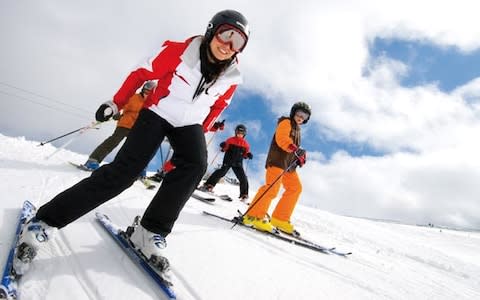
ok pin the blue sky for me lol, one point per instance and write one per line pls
(447, 67)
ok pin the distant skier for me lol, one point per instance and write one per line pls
(236, 149)
(126, 119)
(284, 152)
(196, 80)
(161, 173)
(168, 164)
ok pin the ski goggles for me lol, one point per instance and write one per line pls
(227, 34)
(301, 114)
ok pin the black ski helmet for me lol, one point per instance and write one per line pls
(230, 17)
(303, 107)
(241, 128)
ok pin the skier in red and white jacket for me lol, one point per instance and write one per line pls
(196, 80)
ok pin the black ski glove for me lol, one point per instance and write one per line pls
(106, 111)
(222, 146)
(249, 155)
(117, 116)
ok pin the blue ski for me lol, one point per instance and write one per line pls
(120, 237)
(8, 288)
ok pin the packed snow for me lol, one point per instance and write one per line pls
(213, 261)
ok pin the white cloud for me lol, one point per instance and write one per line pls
(408, 187)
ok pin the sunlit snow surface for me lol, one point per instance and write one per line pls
(213, 261)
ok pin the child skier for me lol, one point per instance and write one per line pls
(283, 157)
(125, 122)
(236, 149)
(196, 80)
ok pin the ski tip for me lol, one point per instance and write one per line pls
(99, 215)
(28, 204)
(4, 292)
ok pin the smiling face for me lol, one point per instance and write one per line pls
(300, 116)
(221, 51)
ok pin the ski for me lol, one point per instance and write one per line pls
(208, 200)
(333, 250)
(8, 287)
(285, 237)
(121, 237)
(222, 197)
(295, 234)
(147, 183)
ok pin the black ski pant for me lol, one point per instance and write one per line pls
(190, 159)
(109, 144)
(239, 172)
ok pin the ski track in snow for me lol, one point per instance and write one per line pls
(210, 260)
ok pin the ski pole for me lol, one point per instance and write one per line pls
(292, 164)
(71, 132)
(211, 139)
(214, 158)
(161, 155)
(210, 164)
(82, 130)
(169, 151)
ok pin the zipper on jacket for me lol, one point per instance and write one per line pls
(200, 88)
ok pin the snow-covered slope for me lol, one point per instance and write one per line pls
(213, 261)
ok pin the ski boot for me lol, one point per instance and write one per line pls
(152, 246)
(243, 198)
(259, 224)
(35, 235)
(157, 177)
(91, 164)
(284, 226)
(207, 188)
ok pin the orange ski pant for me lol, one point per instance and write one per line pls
(285, 206)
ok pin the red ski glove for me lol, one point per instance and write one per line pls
(301, 156)
(292, 148)
(218, 126)
(168, 166)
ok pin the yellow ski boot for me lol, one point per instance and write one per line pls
(259, 224)
(284, 226)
